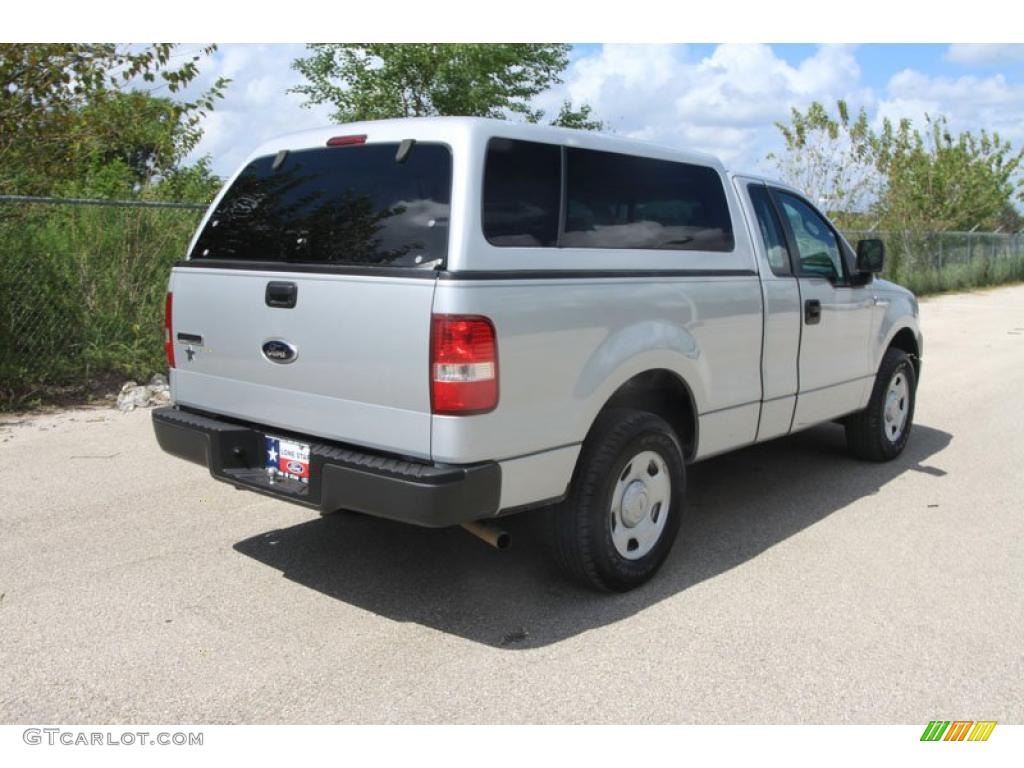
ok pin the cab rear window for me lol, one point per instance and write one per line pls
(351, 205)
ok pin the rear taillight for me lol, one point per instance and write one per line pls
(463, 365)
(168, 337)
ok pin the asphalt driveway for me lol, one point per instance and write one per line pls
(806, 586)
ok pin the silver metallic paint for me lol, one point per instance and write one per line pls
(564, 345)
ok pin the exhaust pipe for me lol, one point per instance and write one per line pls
(496, 537)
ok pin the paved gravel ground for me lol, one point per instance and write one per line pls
(806, 587)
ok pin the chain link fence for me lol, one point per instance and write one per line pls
(82, 286)
(931, 262)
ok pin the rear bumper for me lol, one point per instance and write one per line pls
(341, 477)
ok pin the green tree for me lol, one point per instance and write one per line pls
(71, 112)
(372, 81)
(939, 180)
(830, 158)
(899, 177)
(580, 119)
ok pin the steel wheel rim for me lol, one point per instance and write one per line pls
(640, 504)
(897, 406)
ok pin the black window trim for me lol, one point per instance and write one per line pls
(847, 280)
(561, 199)
(563, 194)
(563, 203)
(782, 227)
(329, 267)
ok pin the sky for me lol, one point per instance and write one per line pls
(722, 99)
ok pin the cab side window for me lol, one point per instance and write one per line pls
(816, 243)
(772, 236)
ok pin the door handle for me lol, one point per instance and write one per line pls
(281, 294)
(812, 312)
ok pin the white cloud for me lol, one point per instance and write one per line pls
(966, 90)
(725, 103)
(256, 106)
(749, 85)
(895, 109)
(970, 102)
(985, 53)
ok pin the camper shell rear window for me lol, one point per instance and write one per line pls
(355, 205)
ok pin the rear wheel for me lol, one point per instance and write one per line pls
(880, 432)
(623, 511)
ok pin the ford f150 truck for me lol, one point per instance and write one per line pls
(446, 320)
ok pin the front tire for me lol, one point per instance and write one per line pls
(625, 505)
(880, 432)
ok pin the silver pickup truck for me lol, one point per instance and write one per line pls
(446, 320)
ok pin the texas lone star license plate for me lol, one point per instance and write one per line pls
(289, 458)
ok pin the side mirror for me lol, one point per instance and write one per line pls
(870, 256)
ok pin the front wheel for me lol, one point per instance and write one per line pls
(625, 505)
(880, 432)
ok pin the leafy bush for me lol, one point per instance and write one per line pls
(84, 289)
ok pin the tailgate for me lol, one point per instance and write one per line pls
(305, 303)
(361, 345)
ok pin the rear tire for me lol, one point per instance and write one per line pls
(880, 432)
(623, 511)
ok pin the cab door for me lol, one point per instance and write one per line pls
(782, 310)
(837, 313)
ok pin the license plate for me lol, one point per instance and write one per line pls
(287, 457)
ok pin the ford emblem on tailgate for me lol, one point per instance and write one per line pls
(279, 351)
